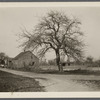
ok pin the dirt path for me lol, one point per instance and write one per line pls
(57, 83)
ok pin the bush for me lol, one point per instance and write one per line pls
(93, 64)
(43, 63)
(51, 62)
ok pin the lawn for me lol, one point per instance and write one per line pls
(15, 83)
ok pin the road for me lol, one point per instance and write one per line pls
(58, 83)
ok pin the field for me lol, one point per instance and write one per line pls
(14, 83)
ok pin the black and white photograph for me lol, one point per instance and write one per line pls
(49, 48)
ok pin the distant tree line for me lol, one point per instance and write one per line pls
(90, 62)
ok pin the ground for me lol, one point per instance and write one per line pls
(15, 83)
(69, 81)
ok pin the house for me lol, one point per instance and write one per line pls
(26, 60)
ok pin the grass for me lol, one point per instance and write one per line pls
(93, 84)
(14, 83)
(83, 72)
(70, 70)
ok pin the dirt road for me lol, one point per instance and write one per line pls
(58, 83)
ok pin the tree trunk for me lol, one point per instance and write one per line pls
(68, 61)
(58, 61)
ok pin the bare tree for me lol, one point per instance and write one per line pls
(55, 32)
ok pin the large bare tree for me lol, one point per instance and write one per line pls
(55, 32)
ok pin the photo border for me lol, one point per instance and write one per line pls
(87, 96)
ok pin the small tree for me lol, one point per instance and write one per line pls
(2, 55)
(55, 32)
(89, 60)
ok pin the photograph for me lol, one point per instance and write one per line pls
(50, 47)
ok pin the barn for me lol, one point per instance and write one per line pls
(26, 60)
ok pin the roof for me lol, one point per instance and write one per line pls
(22, 53)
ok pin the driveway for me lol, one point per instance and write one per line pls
(58, 83)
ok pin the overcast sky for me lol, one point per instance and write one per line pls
(11, 19)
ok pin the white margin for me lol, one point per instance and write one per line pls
(50, 94)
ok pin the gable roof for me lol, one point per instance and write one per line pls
(22, 53)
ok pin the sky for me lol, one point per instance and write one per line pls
(12, 19)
